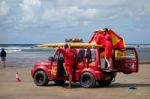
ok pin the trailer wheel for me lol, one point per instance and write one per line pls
(87, 80)
(40, 78)
(59, 82)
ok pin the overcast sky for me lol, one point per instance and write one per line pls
(49, 21)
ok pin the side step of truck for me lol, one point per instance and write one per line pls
(107, 70)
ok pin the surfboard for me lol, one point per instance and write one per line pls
(73, 45)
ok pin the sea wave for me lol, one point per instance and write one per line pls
(14, 49)
(139, 45)
(17, 49)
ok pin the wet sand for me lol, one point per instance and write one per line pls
(119, 89)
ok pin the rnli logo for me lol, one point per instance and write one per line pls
(53, 71)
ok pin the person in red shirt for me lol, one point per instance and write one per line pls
(100, 38)
(68, 54)
(108, 47)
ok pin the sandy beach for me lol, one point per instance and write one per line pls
(118, 90)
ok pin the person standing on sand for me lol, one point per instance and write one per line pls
(3, 56)
(68, 54)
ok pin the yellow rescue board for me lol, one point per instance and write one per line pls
(73, 45)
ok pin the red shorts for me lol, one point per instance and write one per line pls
(108, 49)
(108, 53)
(69, 69)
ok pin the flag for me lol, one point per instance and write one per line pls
(117, 41)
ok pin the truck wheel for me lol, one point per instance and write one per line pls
(87, 80)
(59, 82)
(40, 78)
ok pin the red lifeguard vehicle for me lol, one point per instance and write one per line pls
(89, 66)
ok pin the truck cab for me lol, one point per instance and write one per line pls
(88, 69)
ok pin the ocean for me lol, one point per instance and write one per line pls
(26, 55)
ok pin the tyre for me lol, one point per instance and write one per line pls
(87, 80)
(59, 82)
(40, 78)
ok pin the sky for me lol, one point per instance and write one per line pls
(50, 21)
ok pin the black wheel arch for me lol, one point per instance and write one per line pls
(40, 69)
(87, 72)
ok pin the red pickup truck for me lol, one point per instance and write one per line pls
(88, 69)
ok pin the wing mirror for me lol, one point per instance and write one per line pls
(51, 58)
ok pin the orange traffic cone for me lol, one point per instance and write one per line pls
(17, 77)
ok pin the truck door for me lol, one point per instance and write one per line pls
(55, 65)
(125, 60)
(60, 70)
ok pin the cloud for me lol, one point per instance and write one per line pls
(4, 9)
(48, 12)
(71, 13)
(69, 16)
(29, 9)
(136, 8)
